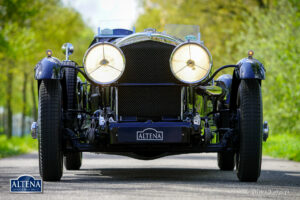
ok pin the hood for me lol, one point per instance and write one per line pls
(148, 35)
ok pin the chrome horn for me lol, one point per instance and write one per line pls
(67, 49)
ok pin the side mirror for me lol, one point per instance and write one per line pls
(67, 49)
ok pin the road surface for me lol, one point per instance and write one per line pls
(191, 176)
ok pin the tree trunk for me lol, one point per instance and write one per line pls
(24, 92)
(9, 115)
(34, 109)
(4, 120)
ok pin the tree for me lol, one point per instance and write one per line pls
(27, 29)
(230, 28)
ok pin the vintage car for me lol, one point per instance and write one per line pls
(147, 95)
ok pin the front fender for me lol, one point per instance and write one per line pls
(249, 68)
(48, 68)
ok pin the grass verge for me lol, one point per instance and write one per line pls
(283, 146)
(16, 145)
(280, 146)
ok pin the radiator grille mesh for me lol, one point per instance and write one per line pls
(148, 62)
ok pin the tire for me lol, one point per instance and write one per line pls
(49, 133)
(71, 97)
(72, 160)
(226, 161)
(248, 158)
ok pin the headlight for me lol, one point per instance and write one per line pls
(104, 63)
(190, 62)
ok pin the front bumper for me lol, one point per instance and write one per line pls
(150, 132)
(128, 137)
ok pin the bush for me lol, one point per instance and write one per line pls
(274, 35)
(283, 146)
(17, 145)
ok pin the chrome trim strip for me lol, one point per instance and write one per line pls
(110, 36)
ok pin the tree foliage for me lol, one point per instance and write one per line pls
(27, 29)
(230, 28)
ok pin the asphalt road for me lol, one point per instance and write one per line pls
(192, 176)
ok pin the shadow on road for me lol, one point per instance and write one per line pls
(180, 175)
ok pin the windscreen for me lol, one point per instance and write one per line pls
(184, 32)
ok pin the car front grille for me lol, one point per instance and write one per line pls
(148, 62)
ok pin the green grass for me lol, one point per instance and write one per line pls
(283, 146)
(16, 145)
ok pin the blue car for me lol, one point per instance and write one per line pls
(147, 95)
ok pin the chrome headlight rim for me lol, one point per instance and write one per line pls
(210, 62)
(95, 45)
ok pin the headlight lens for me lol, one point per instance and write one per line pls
(104, 63)
(190, 62)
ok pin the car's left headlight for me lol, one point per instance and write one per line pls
(190, 62)
(104, 63)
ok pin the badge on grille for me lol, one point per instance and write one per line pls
(150, 134)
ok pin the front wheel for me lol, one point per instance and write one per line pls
(248, 158)
(49, 137)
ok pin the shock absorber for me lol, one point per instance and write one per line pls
(207, 132)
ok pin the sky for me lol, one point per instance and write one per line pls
(107, 13)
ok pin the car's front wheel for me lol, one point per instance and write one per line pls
(248, 158)
(50, 137)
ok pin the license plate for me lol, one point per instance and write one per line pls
(149, 134)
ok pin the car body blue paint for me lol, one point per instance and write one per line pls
(250, 68)
(48, 68)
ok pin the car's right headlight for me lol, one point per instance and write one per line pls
(104, 63)
(190, 62)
